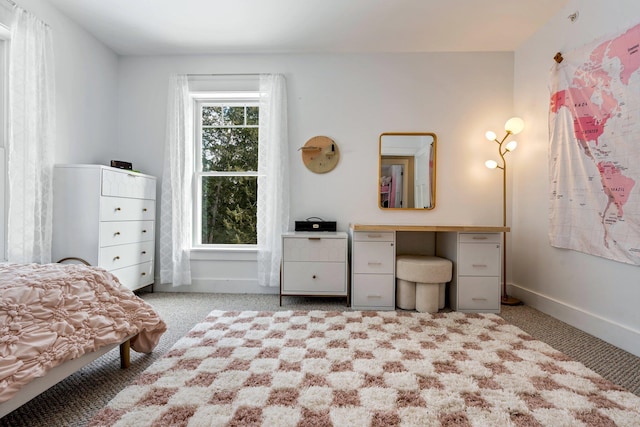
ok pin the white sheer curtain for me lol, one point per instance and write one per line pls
(31, 140)
(176, 216)
(273, 177)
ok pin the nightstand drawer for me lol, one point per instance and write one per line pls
(314, 278)
(314, 249)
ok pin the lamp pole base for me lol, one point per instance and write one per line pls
(507, 300)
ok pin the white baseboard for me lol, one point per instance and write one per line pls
(607, 330)
(218, 286)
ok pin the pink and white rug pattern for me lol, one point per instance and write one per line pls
(319, 368)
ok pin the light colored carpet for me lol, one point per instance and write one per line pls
(77, 399)
(351, 369)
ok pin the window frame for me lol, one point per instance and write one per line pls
(223, 98)
(5, 40)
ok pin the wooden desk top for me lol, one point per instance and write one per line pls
(399, 227)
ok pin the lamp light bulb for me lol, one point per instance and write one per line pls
(491, 164)
(491, 136)
(514, 125)
(511, 146)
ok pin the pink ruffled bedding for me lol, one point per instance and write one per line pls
(57, 312)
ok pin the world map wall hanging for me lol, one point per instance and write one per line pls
(594, 151)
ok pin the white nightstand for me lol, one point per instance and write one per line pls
(314, 264)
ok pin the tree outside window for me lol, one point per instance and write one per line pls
(227, 172)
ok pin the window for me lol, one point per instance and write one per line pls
(226, 169)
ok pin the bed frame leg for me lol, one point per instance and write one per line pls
(125, 354)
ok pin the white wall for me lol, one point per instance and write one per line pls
(594, 294)
(352, 99)
(86, 89)
(110, 107)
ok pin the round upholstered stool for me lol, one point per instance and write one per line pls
(429, 274)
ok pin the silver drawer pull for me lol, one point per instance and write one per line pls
(479, 265)
(116, 258)
(374, 236)
(479, 237)
(479, 299)
(374, 296)
(374, 263)
(117, 233)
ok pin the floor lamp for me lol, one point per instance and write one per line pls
(513, 126)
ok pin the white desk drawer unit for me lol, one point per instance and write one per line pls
(315, 264)
(106, 216)
(373, 273)
(475, 285)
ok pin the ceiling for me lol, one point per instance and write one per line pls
(152, 27)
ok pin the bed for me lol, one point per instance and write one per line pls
(56, 318)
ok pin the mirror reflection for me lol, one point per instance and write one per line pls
(407, 171)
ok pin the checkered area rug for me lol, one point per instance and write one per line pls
(320, 368)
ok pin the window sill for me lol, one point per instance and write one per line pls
(224, 254)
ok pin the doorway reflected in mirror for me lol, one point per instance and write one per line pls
(407, 168)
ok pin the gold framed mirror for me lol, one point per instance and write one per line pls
(407, 170)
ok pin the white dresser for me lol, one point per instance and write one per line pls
(314, 263)
(106, 216)
(373, 260)
(475, 283)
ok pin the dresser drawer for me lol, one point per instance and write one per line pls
(373, 236)
(127, 184)
(135, 276)
(314, 249)
(123, 232)
(480, 237)
(123, 209)
(479, 293)
(479, 259)
(120, 256)
(314, 278)
(373, 291)
(373, 257)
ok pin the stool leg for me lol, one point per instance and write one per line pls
(442, 293)
(406, 294)
(427, 297)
